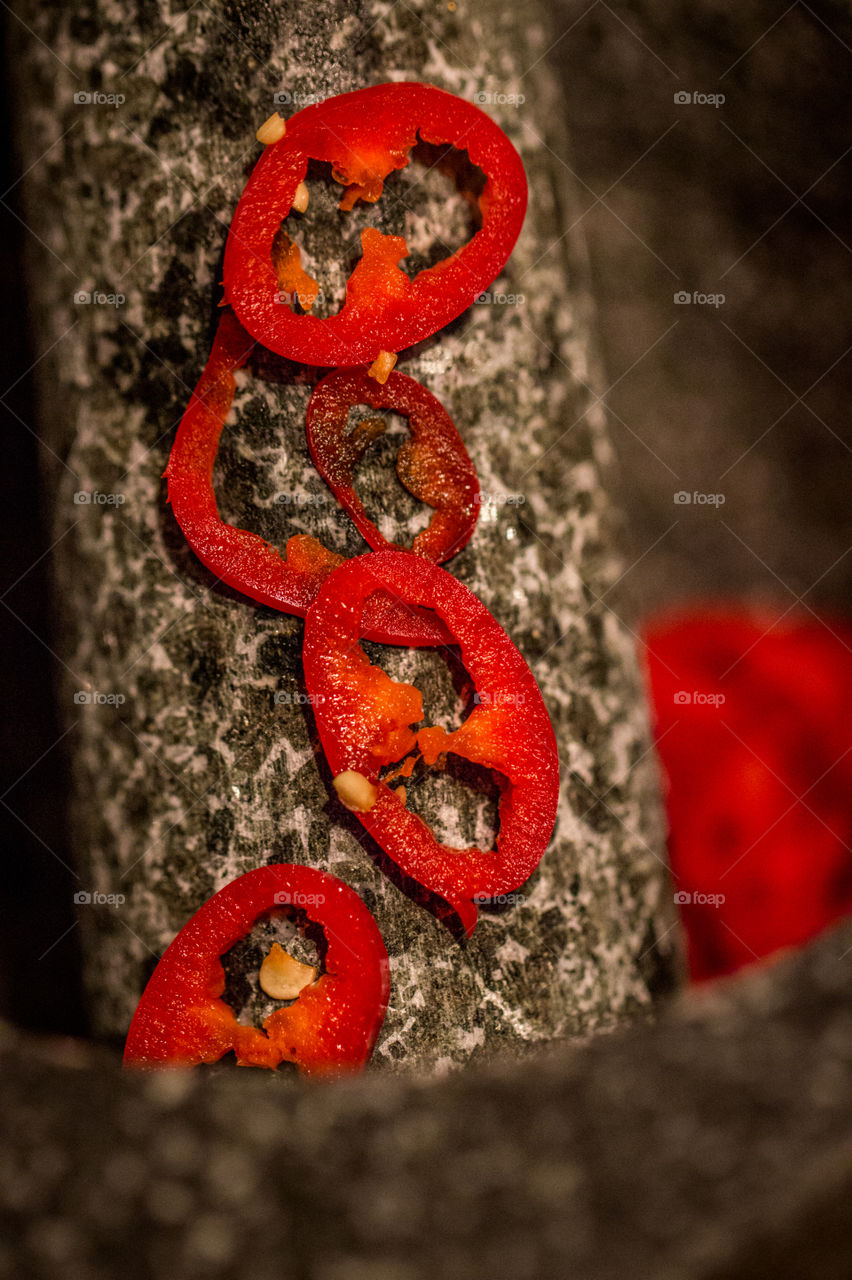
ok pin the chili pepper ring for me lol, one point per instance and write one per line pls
(433, 465)
(238, 557)
(365, 135)
(365, 722)
(182, 1019)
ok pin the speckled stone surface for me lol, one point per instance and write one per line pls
(714, 1144)
(199, 773)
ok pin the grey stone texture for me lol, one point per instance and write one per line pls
(199, 774)
(713, 1144)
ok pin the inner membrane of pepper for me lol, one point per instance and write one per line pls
(457, 799)
(432, 203)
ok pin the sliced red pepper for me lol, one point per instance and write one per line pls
(365, 721)
(365, 135)
(433, 465)
(242, 559)
(332, 1026)
(752, 715)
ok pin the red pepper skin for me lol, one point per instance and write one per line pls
(366, 135)
(736, 769)
(433, 465)
(182, 1021)
(242, 559)
(364, 720)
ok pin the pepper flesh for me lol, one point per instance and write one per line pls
(365, 135)
(433, 464)
(752, 713)
(332, 1027)
(242, 559)
(365, 722)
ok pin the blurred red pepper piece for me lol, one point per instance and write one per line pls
(753, 718)
(365, 721)
(242, 559)
(366, 135)
(332, 1026)
(433, 464)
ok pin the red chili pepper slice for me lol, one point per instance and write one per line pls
(182, 1020)
(364, 719)
(366, 135)
(242, 559)
(433, 465)
(752, 715)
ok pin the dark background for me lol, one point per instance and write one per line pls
(38, 987)
(750, 199)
